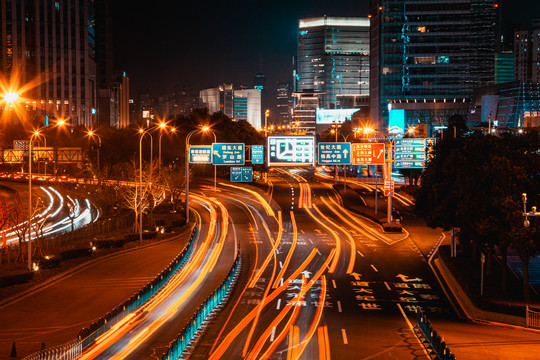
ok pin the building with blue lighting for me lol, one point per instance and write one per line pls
(514, 104)
(427, 56)
(333, 59)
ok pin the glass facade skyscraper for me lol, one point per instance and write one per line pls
(55, 40)
(333, 58)
(430, 52)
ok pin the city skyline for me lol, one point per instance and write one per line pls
(217, 43)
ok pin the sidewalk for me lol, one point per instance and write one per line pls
(55, 311)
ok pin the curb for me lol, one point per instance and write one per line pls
(463, 304)
(79, 267)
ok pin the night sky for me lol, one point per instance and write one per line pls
(201, 44)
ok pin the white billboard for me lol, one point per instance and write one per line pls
(330, 116)
(291, 150)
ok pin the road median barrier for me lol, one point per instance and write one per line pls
(430, 339)
(188, 337)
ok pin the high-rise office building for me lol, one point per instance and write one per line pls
(504, 67)
(57, 41)
(427, 56)
(243, 104)
(527, 53)
(333, 58)
(284, 103)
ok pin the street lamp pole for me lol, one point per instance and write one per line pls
(142, 133)
(36, 133)
(187, 172)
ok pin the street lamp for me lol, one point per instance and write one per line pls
(91, 133)
(526, 214)
(162, 128)
(266, 113)
(355, 131)
(206, 128)
(142, 132)
(34, 134)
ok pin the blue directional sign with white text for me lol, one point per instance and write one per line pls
(200, 154)
(334, 153)
(228, 154)
(257, 154)
(410, 153)
(241, 174)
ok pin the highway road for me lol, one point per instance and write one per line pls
(318, 282)
(147, 332)
(325, 283)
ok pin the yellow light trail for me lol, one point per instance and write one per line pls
(190, 268)
(220, 350)
(317, 319)
(263, 202)
(334, 234)
(324, 343)
(290, 254)
(294, 304)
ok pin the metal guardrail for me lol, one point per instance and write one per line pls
(430, 339)
(87, 336)
(68, 351)
(189, 335)
(532, 318)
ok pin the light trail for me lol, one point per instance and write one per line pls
(165, 304)
(264, 203)
(294, 304)
(231, 336)
(364, 228)
(332, 267)
(290, 253)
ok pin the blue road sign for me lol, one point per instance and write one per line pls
(228, 154)
(241, 174)
(200, 154)
(257, 154)
(410, 153)
(334, 153)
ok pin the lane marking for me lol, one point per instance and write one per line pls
(387, 286)
(278, 304)
(318, 252)
(281, 265)
(358, 251)
(374, 268)
(334, 283)
(344, 334)
(273, 334)
(339, 306)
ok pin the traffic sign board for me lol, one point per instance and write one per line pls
(389, 187)
(241, 174)
(257, 154)
(367, 154)
(228, 154)
(334, 153)
(410, 153)
(291, 150)
(200, 154)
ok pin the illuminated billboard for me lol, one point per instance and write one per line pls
(396, 121)
(291, 150)
(329, 116)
